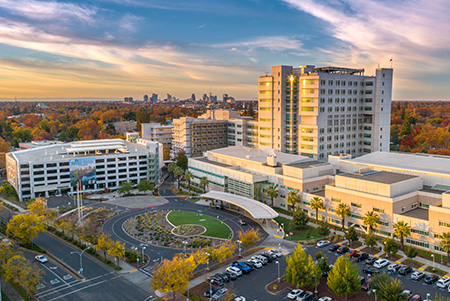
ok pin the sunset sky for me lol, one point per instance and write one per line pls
(117, 48)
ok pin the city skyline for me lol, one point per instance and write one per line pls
(113, 49)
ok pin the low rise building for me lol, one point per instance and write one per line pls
(123, 127)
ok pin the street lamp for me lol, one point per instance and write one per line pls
(207, 263)
(315, 284)
(432, 255)
(81, 259)
(278, 264)
(143, 254)
(428, 297)
(385, 246)
(239, 242)
(282, 225)
(185, 243)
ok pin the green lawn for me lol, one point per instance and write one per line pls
(214, 227)
(299, 234)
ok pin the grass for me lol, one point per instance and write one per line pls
(214, 227)
(436, 270)
(299, 234)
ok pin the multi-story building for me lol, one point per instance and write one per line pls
(96, 164)
(123, 127)
(158, 133)
(322, 111)
(195, 135)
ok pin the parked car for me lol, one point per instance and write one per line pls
(334, 248)
(242, 222)
(240, 298)
(371, 271)
(263, 259)
(219, 294)
(232, 276)
(380, 263)
(415, 298)
(223, 277)
(352, 253)
(305, 296)
(270, 254)
(430, 279)
(443, 282)
(325, 299)
(365, 284)
(342, 250)
(269, 257)
(294, 293)
(41, 258)
(215, 281)
(276, 252)
(393, 267)
(407, 293)
(322, 243)
(256, 263)
(210, 292)
(234, 270)
(417, 275)
(371, 260)
(242, 266)
(361, 257)
(405, 270)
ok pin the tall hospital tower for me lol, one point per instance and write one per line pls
(320, 111)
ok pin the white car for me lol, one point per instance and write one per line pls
(234, 270)
(41, 258)
(322, 243)
(263, 259)
(417, 275)
(380, 263)
(325, 299)
(443, 282)
(393, 267)
(240, 298)
(256, 263)
(294, 294)
(275, 252)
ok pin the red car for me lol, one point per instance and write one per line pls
(352, 253)
(415, 298)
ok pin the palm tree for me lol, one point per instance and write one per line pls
(204, 182)
(188, 176)
(178, 172)
(343, 211)
(293, 199)
(272, 192)
(402, 230)
(445, 244)
(372, 219)
(171, 168)
(316, 204)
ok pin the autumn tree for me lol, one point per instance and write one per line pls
(221, 252)
(25, 227)
(172, 276)
(343, 279)
(39, 208)
(116, 249)
(300, 268)
(6, 251)
(22, 272)
(5, 147)
(103, 244)
(249, 238)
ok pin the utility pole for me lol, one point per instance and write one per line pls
(79, 204)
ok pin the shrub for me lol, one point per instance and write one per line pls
(275, 287)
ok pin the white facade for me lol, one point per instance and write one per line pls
(47, 170)
(158, 133)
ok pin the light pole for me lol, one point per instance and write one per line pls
(143, 254)
(428, 297)
(282, 225)
(207, 263)
(185, 243)
(278, 264)
(315, 284)
(385, 246)
(432, 255)
(81, 259)
(239, 242)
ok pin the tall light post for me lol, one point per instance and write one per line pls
(278, 264)
(207, 263)
(81, 259)
(385, 245)
(185, 244)
(239, 242)
(432, 255)
(428, 297)
(315, 284)
(143, 254)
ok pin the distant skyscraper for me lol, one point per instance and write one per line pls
(169, 97)
(205, 97)
(154, 97)
(128, 99)
(145, 98)
(193, 97)
(225, 98)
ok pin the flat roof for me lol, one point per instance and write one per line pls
(409, 162)
(419, 213)
(202, 159)
(385, 177)
(256, 209)
(308, 164)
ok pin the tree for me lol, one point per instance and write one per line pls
(343, 279)
(6, 251)
(103, 244)
(444, 244)
(172, 276)
(343, 211)
(323, 229)
(370, 240)
(178, 172)
(390, 246)
(371, 219)
(171, 168)
(388, 288)
(204, 182)
(351, 234)
(145, 185)
(22, 272)
(300, 269)
(300, 218)
(221, 252)
(411, 252)
(39, 208)
(293, 199)
(25, 227)
(440, 298)
(402, 230)
(117, 249)
(188, 176)
(125, 188)
(319, 255)
(316, 204)
(249, 238)
(182, 160)
(272, 192)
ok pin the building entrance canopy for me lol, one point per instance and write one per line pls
(256, 209)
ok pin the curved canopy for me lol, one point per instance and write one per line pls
(256, 209)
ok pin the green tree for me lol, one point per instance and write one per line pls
(272, 193)
(182, 160)
(323, 229)
(316, 203)
(300, 218)
(319, 255)
(125, 188)
(444, 244)
(103, 244)
(188, 176)
(343, 211)
(324, 266)
(171, 168)
(387, 288)
(25, 227)
(371, 219)
(370, 240)
(145, 185)
(390, 246)
(411, 252)
(178, 173)
(204, 182)
(402, 230)
(351, 234)
(293, 199)
(300, 269)
(343, 279)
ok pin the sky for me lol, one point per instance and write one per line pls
(118, 48)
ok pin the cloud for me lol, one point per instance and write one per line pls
(271, 43)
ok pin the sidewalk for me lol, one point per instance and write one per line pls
(12, 205)
(9, 291)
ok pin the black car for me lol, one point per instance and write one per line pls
(371, 260)
(273, 256)
(361, 257)
(334, 248)
(250, 264)
(232, 276)
(371, 271)
(405, 270)
(269, 258)
(342, 250)
(210, 292)
(216, 281)
(430, 279)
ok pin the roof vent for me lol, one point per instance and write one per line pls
(272, 160)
